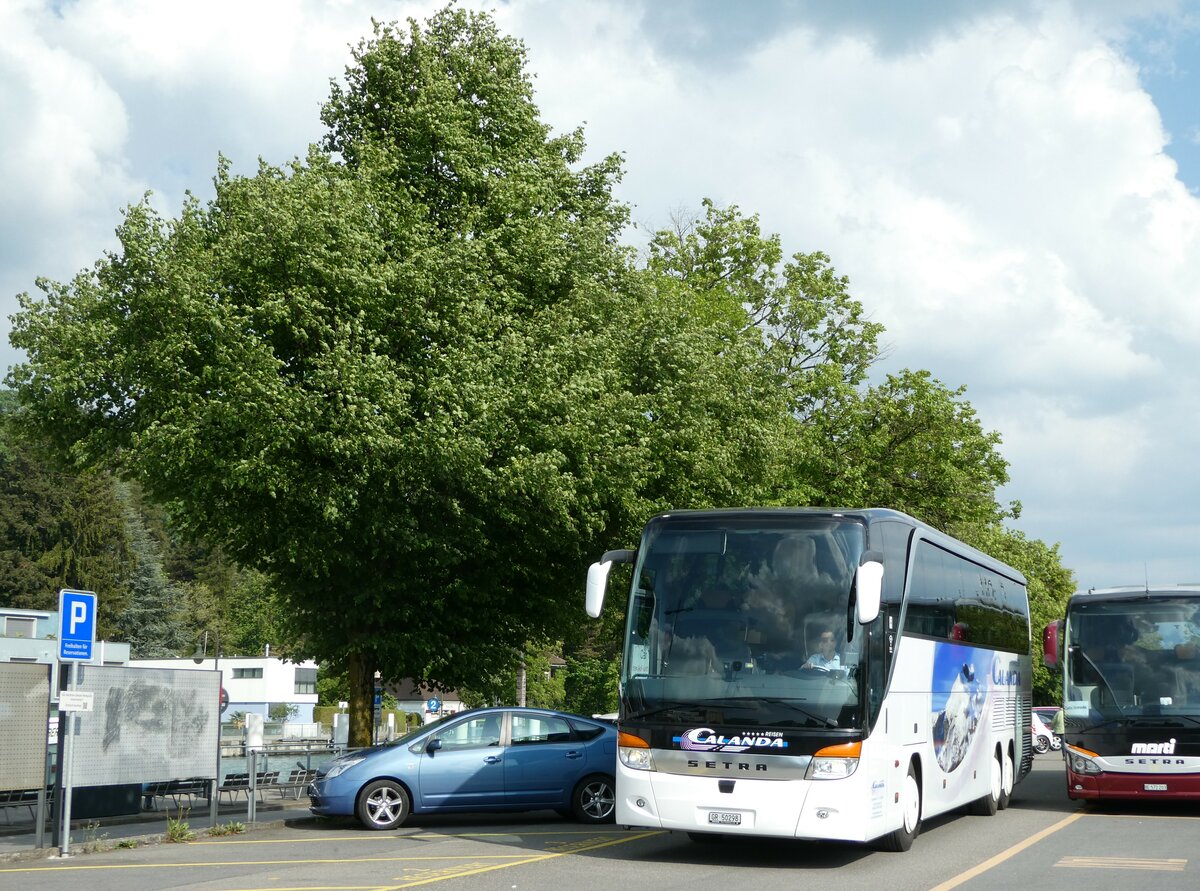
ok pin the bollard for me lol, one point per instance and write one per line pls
(251, 815)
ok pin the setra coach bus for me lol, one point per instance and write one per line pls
(1131, 692)
(817, 674)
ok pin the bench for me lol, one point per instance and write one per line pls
(234, 784)
(26, 798)
(298, 780)
(239, 784)
(177, 790)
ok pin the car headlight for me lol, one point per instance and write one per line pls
(834, 762)
(344, 765)
(1081, 763)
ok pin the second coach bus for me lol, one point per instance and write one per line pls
(819, 674)
(1131, 692)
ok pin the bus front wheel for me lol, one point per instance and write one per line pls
(910, 802)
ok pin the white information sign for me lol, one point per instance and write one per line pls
(76, 700)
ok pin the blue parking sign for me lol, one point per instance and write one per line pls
(76, 625)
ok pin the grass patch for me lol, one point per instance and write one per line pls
(231, 828)
(178, 829)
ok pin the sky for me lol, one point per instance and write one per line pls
(1012, 187)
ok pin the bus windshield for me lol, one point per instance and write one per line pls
(746, 621)
(1133, 659)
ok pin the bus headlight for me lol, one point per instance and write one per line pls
(834, 762)
(636, 759)
(830, 768)
(1081, 761)
(634, 752)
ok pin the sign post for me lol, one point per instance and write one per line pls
(76, 641)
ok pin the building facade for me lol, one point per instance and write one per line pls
(256, 684)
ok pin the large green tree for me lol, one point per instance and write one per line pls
(411, 377)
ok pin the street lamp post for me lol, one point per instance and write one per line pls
(198, 658)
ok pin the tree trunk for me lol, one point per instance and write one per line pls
(362, 701)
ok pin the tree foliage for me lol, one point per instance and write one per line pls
(412, 381)
(59, 528)
(405, 388)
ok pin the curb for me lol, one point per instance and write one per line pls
(104, 845)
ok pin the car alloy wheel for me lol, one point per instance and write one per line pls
(383, 804)
(594, 800)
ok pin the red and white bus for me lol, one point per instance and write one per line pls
(1131, 692)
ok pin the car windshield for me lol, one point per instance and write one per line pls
(748, 618)
(1133, 658)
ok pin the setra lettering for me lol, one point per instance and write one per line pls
(727, 765)
(1155, 761)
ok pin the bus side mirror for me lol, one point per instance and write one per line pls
(1052, 644)
(597, 579)
(868, 585)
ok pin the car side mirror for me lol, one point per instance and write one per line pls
(434, 745)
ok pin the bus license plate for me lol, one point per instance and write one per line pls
(1156, 787)
(724, 818)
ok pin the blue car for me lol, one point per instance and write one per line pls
(489, 759)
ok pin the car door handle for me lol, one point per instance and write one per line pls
(574, 754)
(492, 759)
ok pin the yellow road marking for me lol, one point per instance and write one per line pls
(83, 867)
(1171, 865)
(1141, 816)
(474, 865)
(536, 859)
(358, 836)
(1011, 852)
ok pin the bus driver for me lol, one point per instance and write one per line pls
(826, 657)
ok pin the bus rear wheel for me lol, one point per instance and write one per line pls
(910, 801)
(987, 805)
(1006, 781)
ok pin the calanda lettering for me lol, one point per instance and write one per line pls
(705, 739)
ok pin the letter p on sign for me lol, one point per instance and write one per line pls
(78, 616)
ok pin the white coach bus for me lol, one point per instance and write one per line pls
(818, 674)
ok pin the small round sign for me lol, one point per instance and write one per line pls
(433, 704)
(224, 699)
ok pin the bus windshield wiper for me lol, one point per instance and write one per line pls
(691, 707)
(1165, 720)
(823, 720)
